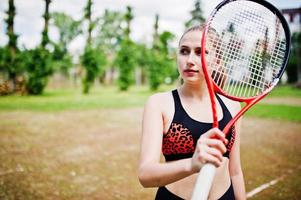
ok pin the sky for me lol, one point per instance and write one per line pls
(173, 14)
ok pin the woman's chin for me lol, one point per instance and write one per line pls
(192, 80)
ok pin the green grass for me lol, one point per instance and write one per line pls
(71, 99)
(285, 91)
(283, 112)
(111, 97)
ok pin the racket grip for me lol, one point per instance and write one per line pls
(204, 182)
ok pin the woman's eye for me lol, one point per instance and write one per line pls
(184, 51)
(198, 52)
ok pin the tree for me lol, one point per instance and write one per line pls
(68, 29)
(156, 33)
(12, 37)
(196, 15)
(142, 60)
(125, 59)
(294, 65)
(38, 66)
(160, 62)
(10, 56)
(110, 32)
(39, 63)
(45, 38)
(93, 58)
(109, 37)
(128, 19)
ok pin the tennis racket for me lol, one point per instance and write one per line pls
(247, 44)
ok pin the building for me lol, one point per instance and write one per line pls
(293, 17)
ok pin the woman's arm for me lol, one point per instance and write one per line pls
(152, 173)
(235, 167)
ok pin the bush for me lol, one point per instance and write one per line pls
(92, 60)
(38, 67)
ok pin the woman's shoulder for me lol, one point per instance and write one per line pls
(160, 99)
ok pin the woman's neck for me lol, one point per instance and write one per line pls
(195, 90)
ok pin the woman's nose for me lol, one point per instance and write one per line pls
(191, 61)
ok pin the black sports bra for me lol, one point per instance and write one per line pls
(180, 140)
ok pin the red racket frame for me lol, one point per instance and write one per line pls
(213, 87)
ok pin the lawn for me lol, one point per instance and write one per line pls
(110, 97)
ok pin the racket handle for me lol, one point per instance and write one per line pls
(204, 182)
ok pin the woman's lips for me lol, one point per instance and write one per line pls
(190, 72)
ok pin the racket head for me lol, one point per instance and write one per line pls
(249, 44)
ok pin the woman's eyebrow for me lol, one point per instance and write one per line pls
(184, 46)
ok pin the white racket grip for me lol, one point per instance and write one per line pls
(203, 183)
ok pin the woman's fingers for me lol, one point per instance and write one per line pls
(211, 156)
(217, 144)
(215, 133)
(214, 152)
(210, 148)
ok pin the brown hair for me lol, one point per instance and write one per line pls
(193, 28)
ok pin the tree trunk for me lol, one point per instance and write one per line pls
(45, 38)
(12, 43)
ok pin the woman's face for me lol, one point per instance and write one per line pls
(189, 57)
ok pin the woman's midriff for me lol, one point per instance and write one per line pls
(184, 187)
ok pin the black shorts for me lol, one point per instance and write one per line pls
(164, 194)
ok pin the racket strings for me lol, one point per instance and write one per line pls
(246, 53)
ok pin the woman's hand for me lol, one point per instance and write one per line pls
(209, 149)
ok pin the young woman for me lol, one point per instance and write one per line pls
(179, 123)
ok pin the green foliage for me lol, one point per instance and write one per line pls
(5, 59)
(125, 61)
(128, 18)
(160, 67)
(39, 67)
(161, 64)
(92, 60)
(196, 15)
(291, 70)
(110, 32)
(294, 60)
(155, 70)
(142, 55)
(109, 36)
(68, 29)
(2, 58)
(11, 62)
(62, 60)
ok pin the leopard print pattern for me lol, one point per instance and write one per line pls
(178, 140)
(232, 140)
